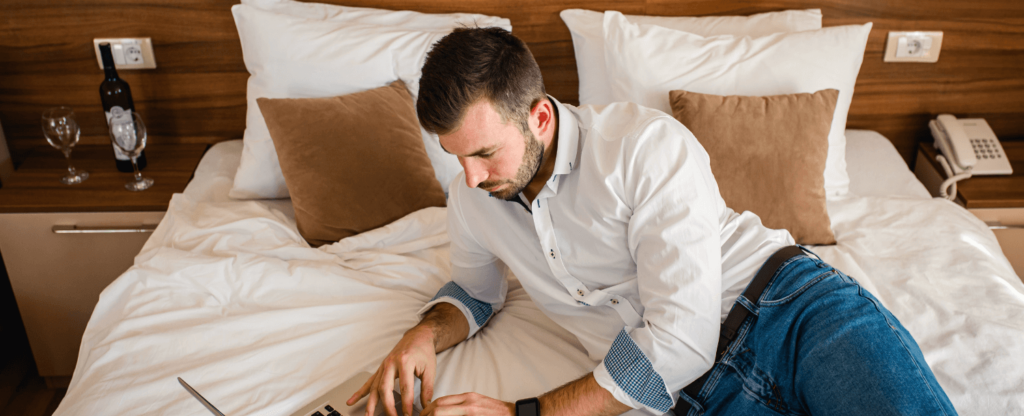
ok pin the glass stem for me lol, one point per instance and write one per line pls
(138, 175)
(71, 169)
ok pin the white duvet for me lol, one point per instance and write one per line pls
(227, 296)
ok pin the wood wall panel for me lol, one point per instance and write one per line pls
(198, 89)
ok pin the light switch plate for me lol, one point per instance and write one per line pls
(913, 47)
(129, 53)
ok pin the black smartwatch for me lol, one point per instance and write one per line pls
(528, 407)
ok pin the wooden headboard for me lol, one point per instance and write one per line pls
(197, 93)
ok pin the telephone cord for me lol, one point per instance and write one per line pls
(953, 179)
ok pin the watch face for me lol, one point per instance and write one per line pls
(527, 408)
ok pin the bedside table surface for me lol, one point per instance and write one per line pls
(35, 186)
(997, 191)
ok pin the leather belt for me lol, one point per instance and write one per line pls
(736, 316)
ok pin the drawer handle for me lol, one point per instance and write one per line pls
(74, 229)
(996, 225)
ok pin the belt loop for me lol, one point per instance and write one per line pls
(808, 251)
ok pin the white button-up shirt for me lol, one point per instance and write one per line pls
(629, 246)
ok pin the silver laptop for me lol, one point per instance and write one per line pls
(331, 403)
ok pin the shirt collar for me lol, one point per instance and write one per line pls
(568, 143)
(568, 140)
(565, 156)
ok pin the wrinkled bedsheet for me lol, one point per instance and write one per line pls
(228, 296)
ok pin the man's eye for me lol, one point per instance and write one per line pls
(487, 155)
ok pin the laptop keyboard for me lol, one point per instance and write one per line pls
(326, 410)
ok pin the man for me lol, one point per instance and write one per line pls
(613, 223)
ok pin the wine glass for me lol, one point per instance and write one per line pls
(129, 135)
(62, 132)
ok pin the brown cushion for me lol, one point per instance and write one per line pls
(351, 163)
(767, 154)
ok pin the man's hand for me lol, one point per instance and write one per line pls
(583, 397)
(469, 404)
(413, 356)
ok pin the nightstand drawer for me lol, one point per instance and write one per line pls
(58, 264)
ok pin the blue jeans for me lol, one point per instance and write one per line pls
(817, 343)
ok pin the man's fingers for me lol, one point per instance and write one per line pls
(466, 404)
(386, 372)
(385, 391)
(428, 409)
(431, 409)
(362, 391)
(371, 403)
(454, 410)
(427, 386)
(407, 383)
(451, 400)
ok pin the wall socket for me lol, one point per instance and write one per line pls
(913, 47)
(129, 53)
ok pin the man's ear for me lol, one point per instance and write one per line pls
(542, 117)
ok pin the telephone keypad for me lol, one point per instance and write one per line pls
(984, 149)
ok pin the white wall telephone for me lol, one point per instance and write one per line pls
(969, 147)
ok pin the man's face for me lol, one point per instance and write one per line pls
(496, 156)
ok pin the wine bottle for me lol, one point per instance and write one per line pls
(116, 96)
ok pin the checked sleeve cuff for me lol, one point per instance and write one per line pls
(477, 312)
(629, 376)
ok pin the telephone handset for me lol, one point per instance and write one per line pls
(970, 147)
(952, 141)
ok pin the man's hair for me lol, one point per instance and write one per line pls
(473, 63)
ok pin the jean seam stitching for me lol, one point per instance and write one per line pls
(730, 352)
(774, 279)
(791, 296)
(920, 373)
(760, 400)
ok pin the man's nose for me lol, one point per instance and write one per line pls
(475, 171)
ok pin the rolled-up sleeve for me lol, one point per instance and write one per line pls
(674, 238)
(478, 286)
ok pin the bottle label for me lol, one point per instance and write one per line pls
(117, 113)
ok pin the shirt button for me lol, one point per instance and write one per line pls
(615, 301)
(580, 292)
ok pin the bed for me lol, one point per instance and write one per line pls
(227, 295)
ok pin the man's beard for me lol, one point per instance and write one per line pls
(532, 157)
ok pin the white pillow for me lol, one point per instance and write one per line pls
(645, 62)
(587, 29)
(405, 19)
(290, 55)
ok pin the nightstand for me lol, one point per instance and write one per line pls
(996, 200)
(63, 245)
